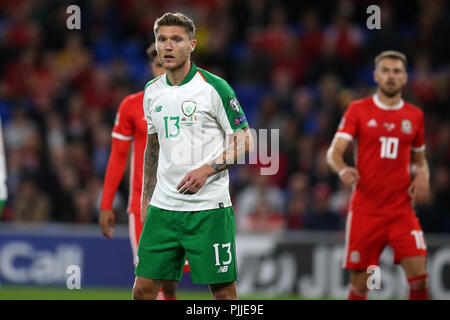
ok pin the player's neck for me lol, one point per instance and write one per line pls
(389, 101)
(178, 75)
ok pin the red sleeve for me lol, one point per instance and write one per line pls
(114, 172)
(418, 143)
(348, 127)
(123, 124)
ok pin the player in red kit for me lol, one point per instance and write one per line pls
(130, 128)
(390, 176)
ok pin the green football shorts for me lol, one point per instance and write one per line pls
(206, 238)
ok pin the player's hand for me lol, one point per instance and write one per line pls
(194, 180)
(419, 188)
(107, 220)
(349, 175)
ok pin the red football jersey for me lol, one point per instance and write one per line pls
(385, 137)
(130, 124)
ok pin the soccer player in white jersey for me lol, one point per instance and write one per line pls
(196, 131)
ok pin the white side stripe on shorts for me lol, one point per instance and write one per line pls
(348, 225)
(132, 233)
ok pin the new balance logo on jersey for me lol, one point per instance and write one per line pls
(158, 108)
(222, 269)
(372, 123)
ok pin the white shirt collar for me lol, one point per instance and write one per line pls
(383, 106)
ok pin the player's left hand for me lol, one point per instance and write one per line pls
(107, 221)
(194, 180)
(419, 189)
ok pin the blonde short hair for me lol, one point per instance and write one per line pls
(175, 19)
(391, 54)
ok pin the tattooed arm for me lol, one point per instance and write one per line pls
(149, 173)
(240, 147)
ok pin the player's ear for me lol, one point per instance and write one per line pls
(406, 78)
(375, 76)
(193, 44)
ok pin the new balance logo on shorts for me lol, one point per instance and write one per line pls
(222, 269)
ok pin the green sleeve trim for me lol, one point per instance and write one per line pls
(152, 81)
(233, 109)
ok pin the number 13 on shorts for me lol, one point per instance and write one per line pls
(226, 248)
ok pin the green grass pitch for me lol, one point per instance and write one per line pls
(92, 293)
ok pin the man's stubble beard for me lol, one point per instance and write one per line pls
(391, 94)
(177, 66)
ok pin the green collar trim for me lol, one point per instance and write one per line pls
(189, 76)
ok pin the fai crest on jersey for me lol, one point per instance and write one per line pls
(406, 126)
(234, 104)
(188, 107)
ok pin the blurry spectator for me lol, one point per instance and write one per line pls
(55, 131)
(318, 215)
(423, 82)
(295, 213)
(340, 200)
(69, 181)
(321, 172)
(299, 185)
(263, 219)
(328, 61)
(297, 203)
(435, 215)
(304, 110)
(276, 35)
(271, 115)
(249, 199)
(101, 148)
(311, 35)
(84, 209)
(288, 139)
(30, 204)
(242, 179)
(19, 129)
(305, 154)
(345, 36)
(76, 124)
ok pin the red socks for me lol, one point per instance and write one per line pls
(355, 294)
(417, 290)
(162, 296)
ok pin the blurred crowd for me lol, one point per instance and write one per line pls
(295, 66)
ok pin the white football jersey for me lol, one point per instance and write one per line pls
(193, 121)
